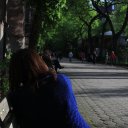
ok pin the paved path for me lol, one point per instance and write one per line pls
(101, 92)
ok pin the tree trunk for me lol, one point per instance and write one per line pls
(35, 30)
(114, 42)
(2, 28)
(15, 21)
(102, 40)
(90, 39)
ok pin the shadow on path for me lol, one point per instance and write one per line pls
(104, 93)
(97, 75)
(93, 67)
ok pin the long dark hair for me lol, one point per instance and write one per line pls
(25, 66)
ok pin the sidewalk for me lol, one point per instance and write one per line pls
(101, 92)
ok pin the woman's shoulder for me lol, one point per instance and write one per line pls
(60, 75)
(62, 78)
(45, 79)
(64, 82)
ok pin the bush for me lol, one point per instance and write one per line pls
(4, 81)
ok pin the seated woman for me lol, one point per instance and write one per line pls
(56, 62)
(39, 97)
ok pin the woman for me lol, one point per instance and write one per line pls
(113, 58)
(56, 62)
(70, 56)
(39, 97)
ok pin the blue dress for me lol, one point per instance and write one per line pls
(74, 117)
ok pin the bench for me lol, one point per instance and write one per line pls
(7, 119)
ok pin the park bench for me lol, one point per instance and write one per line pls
(7, 119)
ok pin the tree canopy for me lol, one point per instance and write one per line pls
(66, 21)
(46, 15)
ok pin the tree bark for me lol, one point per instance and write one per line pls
(15, 21)
(35, 30)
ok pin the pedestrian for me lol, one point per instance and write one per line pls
(82, 56)
(70, 56)
(106, 57)
(113, 57)
(39, 97)
(94, 55)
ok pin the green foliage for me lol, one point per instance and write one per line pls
(85, 12)
(118, 15)
(40, 44)
(46, 15)
(5, 85)
(49, 11)
(68, 27)
(4, 65)
(123, 55)
(66, 31)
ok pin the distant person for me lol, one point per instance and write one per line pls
(106, 57)
(39, 97)
(94, 56)
(82, 56)
(56, 62)
(70, 56)
(113, 57)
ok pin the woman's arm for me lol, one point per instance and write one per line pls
(74, 117)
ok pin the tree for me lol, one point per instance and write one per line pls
(2, 28)
(64, 34)
(15, 25)
(46, 15)
(104, 8)
(88, 17)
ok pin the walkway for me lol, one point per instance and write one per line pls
(101, 92)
